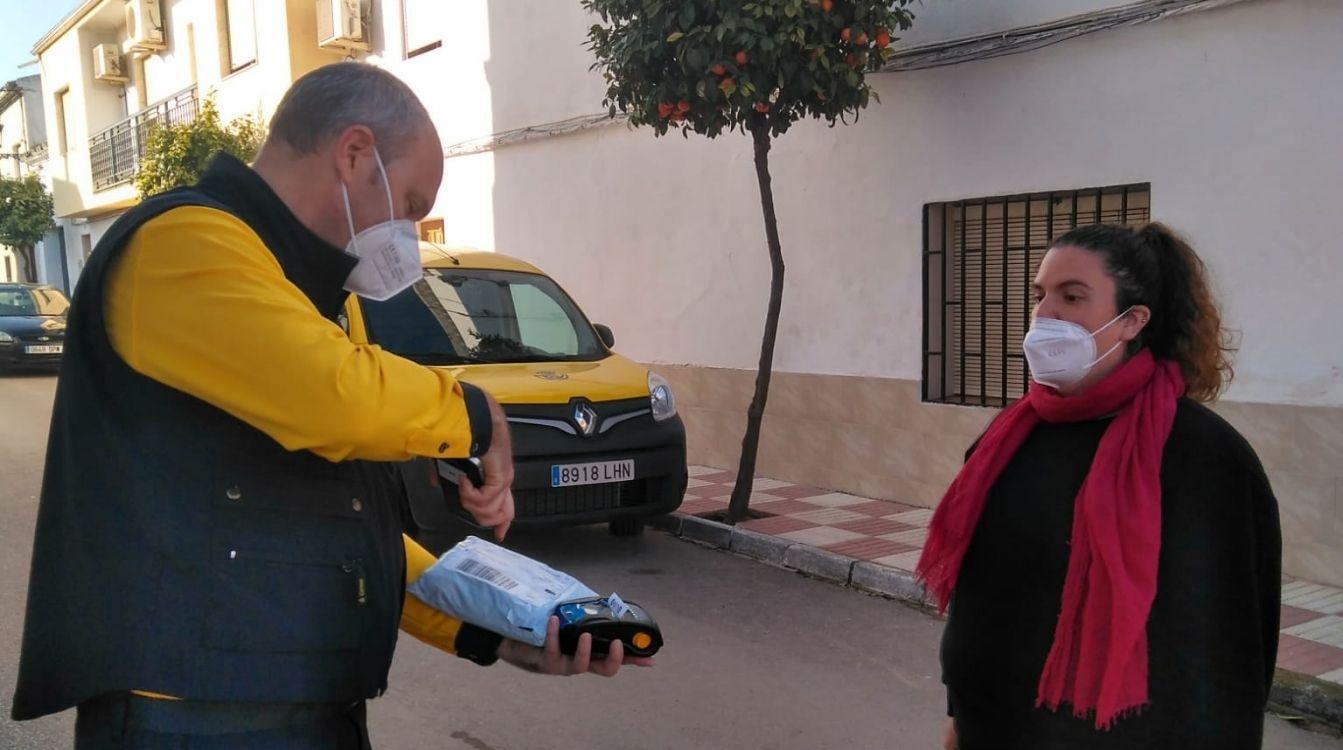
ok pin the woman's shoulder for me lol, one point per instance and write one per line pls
(1201, 432)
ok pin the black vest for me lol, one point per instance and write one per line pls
(180, 550)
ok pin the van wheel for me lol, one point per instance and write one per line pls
(627, 527)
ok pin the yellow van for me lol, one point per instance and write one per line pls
(596, 436)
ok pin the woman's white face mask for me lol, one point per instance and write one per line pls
(388, 253)
(1061, 353)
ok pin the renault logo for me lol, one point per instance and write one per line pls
(585, 418)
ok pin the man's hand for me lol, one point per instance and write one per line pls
(491, 504)
(549, 660)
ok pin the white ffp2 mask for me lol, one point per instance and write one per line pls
(1061, 353)
(388, 253)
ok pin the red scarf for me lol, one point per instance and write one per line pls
(1098, 662)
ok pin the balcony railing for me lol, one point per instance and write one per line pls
(115, 152)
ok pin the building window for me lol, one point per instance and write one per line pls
(238, 34)
(431, 230)
(420, 25)
(979, 259)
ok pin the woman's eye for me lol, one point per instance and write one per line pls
(1071, 298)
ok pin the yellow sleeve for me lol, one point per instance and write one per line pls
(198, 303)
(419, 619)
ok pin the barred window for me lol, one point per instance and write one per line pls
(979, 259)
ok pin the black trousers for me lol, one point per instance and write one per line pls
(122, 721)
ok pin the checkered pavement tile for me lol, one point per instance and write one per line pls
(828, 516)
(1308, 657)
(1294, 616)
(1327, 630)
(784, 507)
(821, 536)
(867, 548)
(878, 508)
(904, 561)
(873, 526)
(777, 525)
(835, 500)
(1314, 597)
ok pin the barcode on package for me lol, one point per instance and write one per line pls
(486, 573)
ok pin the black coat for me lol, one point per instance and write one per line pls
(1213, 628)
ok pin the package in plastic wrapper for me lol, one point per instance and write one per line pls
(497, 589)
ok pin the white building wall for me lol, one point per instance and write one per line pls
(1197, 106)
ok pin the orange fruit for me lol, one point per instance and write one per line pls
(846, 34)
(861, 41)
(718, 70)
(883, 39)
(741, 58)
(726, 82)
(683, 106)
(664, 110)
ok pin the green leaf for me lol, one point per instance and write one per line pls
(675, 36)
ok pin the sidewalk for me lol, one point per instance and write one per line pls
(875, 545)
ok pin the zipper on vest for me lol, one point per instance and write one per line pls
(356, 566)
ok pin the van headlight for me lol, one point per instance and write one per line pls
(5, 338)
(660, 397)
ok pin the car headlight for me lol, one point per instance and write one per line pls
(660, 397)
(5, 338)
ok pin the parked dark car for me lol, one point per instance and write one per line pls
(32, 325)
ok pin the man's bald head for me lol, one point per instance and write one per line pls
(324, 103)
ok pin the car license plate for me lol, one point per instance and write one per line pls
(597, 472)
(45, 349)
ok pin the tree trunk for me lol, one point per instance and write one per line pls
(750, 444)
(28, 260)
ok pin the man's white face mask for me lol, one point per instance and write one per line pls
(388, 253)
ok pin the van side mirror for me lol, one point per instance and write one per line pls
(608, 337)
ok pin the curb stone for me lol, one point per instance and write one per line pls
(892, 582)
(819, 563)
(704, 531)
(763, 547)
(1318, 702)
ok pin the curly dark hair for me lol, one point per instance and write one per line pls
(1154, 266)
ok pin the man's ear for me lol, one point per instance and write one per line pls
(351, 147)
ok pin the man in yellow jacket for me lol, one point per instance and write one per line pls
(219, 549)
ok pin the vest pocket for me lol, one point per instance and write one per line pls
(277, 602)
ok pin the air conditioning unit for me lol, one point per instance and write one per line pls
(107, 65)
(144, 27)
(342, 24)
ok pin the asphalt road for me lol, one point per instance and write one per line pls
(755, 658)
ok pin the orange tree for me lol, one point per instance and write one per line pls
(716, 66)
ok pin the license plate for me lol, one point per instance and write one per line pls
(597, 472)
(46, 349)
